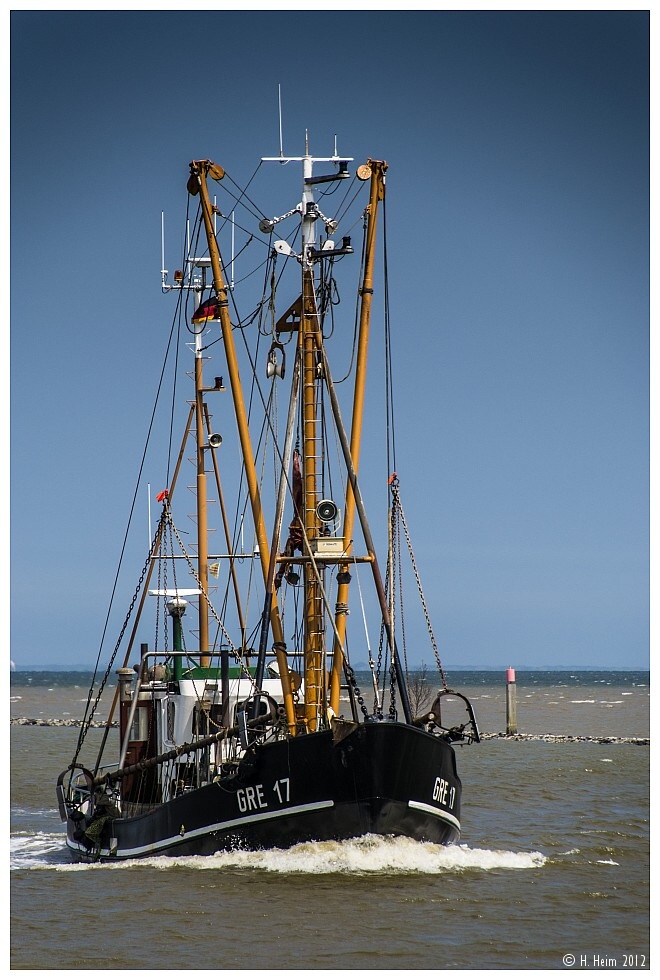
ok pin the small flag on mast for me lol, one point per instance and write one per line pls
(208, 310)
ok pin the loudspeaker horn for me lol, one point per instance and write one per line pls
(326, 511)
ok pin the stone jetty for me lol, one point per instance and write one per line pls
(596, 739)
(59, 722)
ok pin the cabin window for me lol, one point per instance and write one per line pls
(140, 727)
(200, 721)
(207, 720)
(264, 708)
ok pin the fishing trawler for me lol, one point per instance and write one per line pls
(248, 728)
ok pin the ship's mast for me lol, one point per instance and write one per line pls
(375, 171)
(314, 618)
(311, 381)
(199, 171)
(202, 522)
(309, 340)
(311, 350)
(197, 284)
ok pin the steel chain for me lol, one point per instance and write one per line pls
(391, 594)
(396, 499)
(350, 676)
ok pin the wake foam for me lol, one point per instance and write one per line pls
(37, 850)
(370, 855)
(376, 855)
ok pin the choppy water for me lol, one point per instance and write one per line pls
(613, 703)
(553, 862)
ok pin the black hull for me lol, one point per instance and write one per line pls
(382, 778)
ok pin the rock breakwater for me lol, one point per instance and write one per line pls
(597, 739)
(59, 722)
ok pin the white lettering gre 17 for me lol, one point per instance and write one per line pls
(254, 797)
(251, 798)
(281, 787)
(444, 792)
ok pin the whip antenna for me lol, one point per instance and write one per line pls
(163, 270)
(231, 286)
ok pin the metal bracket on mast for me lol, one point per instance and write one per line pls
(308, 209)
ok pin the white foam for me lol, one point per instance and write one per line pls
(370, 855)
(36, 850)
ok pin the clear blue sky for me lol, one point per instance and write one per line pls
(518, 222)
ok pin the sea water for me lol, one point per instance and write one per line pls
(552, 870)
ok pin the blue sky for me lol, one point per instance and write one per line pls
(518, 227)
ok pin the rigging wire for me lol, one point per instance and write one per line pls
(389, 390)
(132, 507)
(178, 316)
(173, 334)
(398, 509)
(354, 183)
(356, 320)
(257, 212)
(397, 515)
